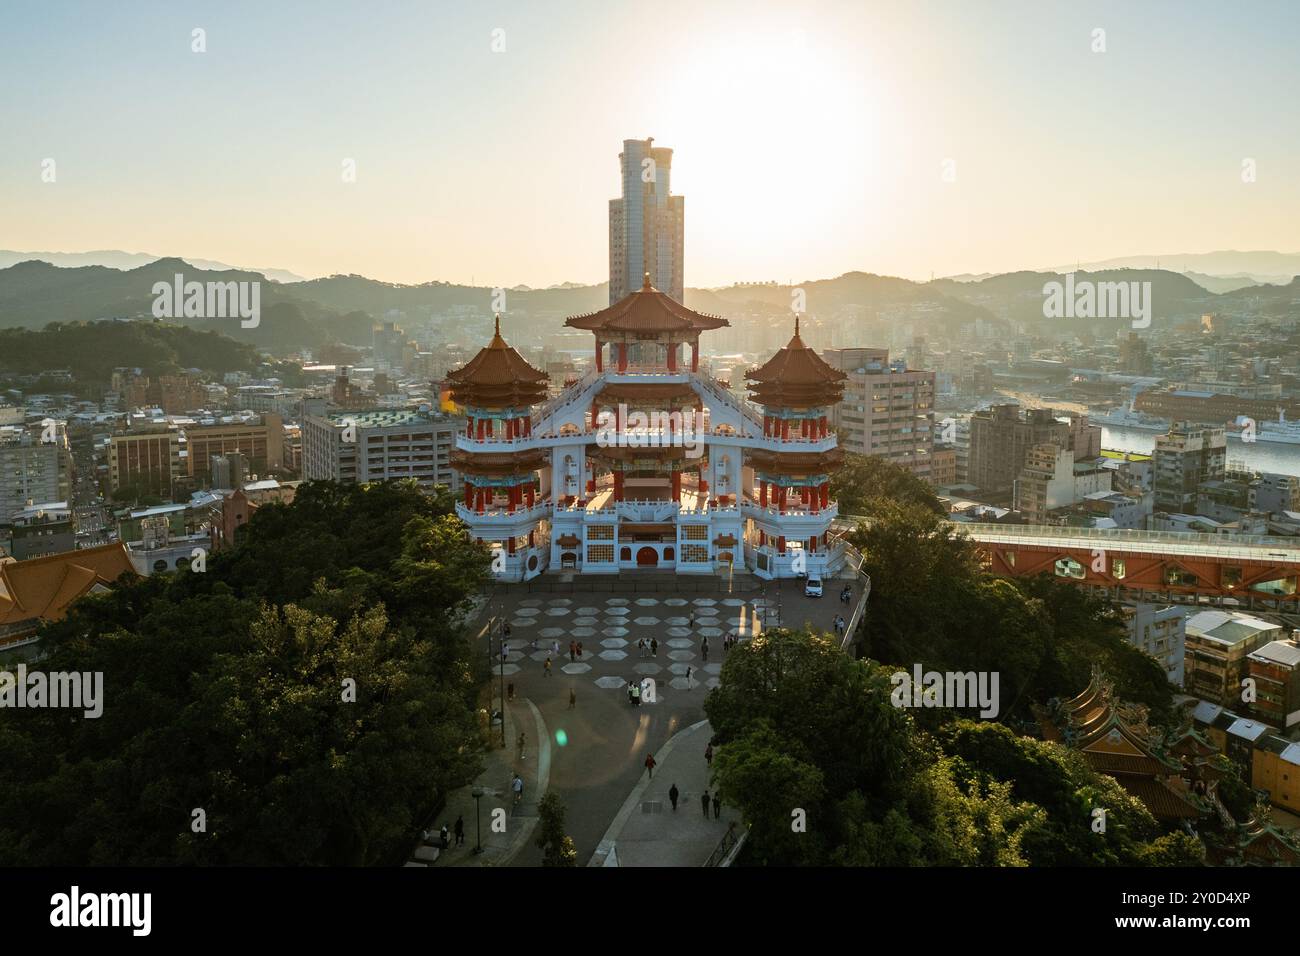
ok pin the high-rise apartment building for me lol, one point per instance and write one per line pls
(379, 444)
(1000, 440)
(887, 409)
(35, 467)
(1184, 459)
(260, 442)
(647, 225)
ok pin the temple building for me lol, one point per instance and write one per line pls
(647, 462)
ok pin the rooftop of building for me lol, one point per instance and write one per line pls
(385, 417)
(1285, 653)
(1227, 627)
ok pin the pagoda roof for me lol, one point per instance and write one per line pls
(494, 463)
(497, 376)
(42, 589)
(796, 376)
(796, 462)
(646, 310)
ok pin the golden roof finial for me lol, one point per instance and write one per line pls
(645, 283)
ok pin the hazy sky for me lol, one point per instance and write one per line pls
(809, 138)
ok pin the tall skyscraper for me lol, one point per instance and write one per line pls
(646, 226)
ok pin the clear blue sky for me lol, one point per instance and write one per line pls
(809, 138)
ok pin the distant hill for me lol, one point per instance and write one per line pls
(1262, 267)
(116, 259)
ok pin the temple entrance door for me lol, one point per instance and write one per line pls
(647, 557)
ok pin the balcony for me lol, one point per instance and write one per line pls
(499, 515)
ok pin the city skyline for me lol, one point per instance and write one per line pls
(816, 142)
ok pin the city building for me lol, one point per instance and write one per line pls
(355, 447)
(35, 466)
(1275, 668)
(1159, 632)
(145, 460)
(1000, 440)
(39, 530)
(647, 226)
(1185, 458)
(1051, 480)
(261, 442)
(887, 409)
(1217, 645)
(229, 470)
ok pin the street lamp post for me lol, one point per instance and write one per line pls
(478, 820)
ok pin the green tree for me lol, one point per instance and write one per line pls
(864, 483)
(556, 846)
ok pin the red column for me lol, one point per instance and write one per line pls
(510, 545)
(812, 545)
(618, 486)
(469, 427)
(826, 493)
(528, 426)
(677, 485)
(785, 429)
(672, 356)
(531, 534)
(622, 356)
(600, 356)
(510, 429)
(469, 495)
(762, 493)
(825, 427)
(532, 499)
(780, 544)
(480, 504)
(480, 429)
(704, 484)
(803, 494)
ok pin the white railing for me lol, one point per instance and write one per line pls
(499, 512)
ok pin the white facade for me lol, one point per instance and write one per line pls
(576, 529)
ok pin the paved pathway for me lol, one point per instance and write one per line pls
(598, 747)
(648, 832)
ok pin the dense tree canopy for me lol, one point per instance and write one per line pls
(310, 693)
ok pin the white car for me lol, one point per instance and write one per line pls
(813, 587)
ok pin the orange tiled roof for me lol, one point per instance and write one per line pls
(646, 310)
(497, 376)
(43, 588)
(796, 376)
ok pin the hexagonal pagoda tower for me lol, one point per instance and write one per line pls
(647, 462)
(497, 458)
(792, 518)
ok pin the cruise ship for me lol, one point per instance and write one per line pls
(1125, 416)
(1281, 432)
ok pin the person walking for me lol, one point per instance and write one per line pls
(580, 650)
(640, 647)
(573, 650)
(673, 794)
(510, 691)
(688, 675)
(505, 630)
(547, 670)
(444, 837)
(636, 695)
(521, 746)
(573, 699)
(654, 647)
(708, 755)
(717, 805)
(650, 765)
(629, 692)
(704, 802)
(518, 787)
(460, 830)
(692, 622)
(704, 649)
(555, 648)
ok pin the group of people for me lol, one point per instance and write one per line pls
(705, 799)
(443, 838)
(652, 646)
(840, 624)
(634, 693)
(846, 595)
